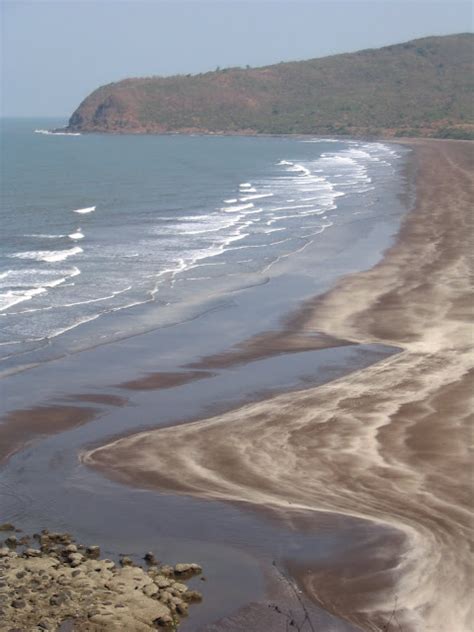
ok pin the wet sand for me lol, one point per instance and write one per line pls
(163, 379)
(388, 444)
(21, 427)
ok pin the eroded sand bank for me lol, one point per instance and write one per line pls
(389, 443)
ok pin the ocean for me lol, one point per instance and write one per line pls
(107, 236)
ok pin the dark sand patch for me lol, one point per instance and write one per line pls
(99, 398)
(163, 379)
(20, 427)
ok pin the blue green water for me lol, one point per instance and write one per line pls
(96, 226)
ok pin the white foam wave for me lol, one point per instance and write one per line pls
(12, 297)
(76, 235)
(231, 201)
(281, 218)
(76, 303)
(299, 169)
(322, 140)
(257, 196)
(48, 132)
(36, 285)
(290, 208)
(82, 211)
(245, 185)
(49, 256)
(74, 325)
(45, 236)
(35, 277)
(238, 207)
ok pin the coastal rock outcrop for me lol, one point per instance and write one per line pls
(63, 581)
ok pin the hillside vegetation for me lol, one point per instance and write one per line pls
(422, 87)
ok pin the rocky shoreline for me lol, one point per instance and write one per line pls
(50, 582)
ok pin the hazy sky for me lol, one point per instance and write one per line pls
(55, 53)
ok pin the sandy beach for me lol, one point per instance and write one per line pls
(388, 444)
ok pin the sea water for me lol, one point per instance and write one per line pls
(98, 228)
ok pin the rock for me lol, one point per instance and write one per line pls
(108, 564)
(167, 571)
(12, 540)
(152, 569)
(4, 551)
(126, 561)
(61, 538)
(161, 581)
(150, 590)
(182, 608)
(93, 551)
(164, 620)
(179, 588)
(32, 553)
(7, 526)
(166, 596)
(192, 596)
(58, 599)
(71, 548)
(75, 559)
(149, 558)
(18, 603)
(185, 569)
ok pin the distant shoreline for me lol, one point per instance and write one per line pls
(390, 136)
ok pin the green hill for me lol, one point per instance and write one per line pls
(422, 87)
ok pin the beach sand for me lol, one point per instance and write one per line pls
(389, 443)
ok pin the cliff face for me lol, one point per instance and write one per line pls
(422, 87)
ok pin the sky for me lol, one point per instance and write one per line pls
(54, 54)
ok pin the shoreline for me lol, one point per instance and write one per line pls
(376, 436)
(379, 137)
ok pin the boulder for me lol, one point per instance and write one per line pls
(187, 569)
